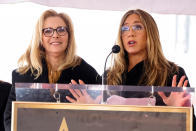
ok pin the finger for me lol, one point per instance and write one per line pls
(84, 92)
(73, 82)
(162, 94)
(183, 94)
(74, 93)
(70, 99)
(186, 100)
(180, 83)
(187, 96)
(81, 82)
(174, 81)
(185, 83)
(79, 93)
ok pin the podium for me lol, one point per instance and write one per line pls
(46, 116)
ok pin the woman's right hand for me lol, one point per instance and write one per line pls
(81, 96)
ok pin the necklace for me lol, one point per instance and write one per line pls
(53, 76)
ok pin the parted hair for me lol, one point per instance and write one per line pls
(156, 67)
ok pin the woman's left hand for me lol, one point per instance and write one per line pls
(177, 98)
(81, 96)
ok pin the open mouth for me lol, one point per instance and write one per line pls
(132, 42)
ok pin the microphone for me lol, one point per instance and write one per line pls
(115, 49)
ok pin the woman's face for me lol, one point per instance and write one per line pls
(134, 36)
(54, 36)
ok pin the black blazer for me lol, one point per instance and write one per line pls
(4, 93)
(133, 78)
(83, 71)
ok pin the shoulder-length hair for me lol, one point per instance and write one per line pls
(35, 53)
(156, 66)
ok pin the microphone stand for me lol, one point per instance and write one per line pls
(115, 49)
(104, 76)
(104, 73)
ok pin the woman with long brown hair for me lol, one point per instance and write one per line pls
(141, 60)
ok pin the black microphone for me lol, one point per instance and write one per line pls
(115, 49)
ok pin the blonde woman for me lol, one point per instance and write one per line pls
(51, 57)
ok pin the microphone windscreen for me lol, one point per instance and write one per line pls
(115, 49)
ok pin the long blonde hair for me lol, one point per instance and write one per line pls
(156, 66)
(32, 58)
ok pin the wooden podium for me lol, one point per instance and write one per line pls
(34, 116)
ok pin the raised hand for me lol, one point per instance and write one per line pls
(81, 96)
(177, 98)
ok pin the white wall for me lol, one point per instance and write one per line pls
(95, 33)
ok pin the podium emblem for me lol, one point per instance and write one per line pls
(63, 126)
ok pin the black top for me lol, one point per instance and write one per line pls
(83, 72)
(4, 93)
(133, 78)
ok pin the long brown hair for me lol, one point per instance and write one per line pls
(156, 66)
(32, 58)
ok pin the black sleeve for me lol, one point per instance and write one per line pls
(181, 73)
(8, 109)
(4, 93)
